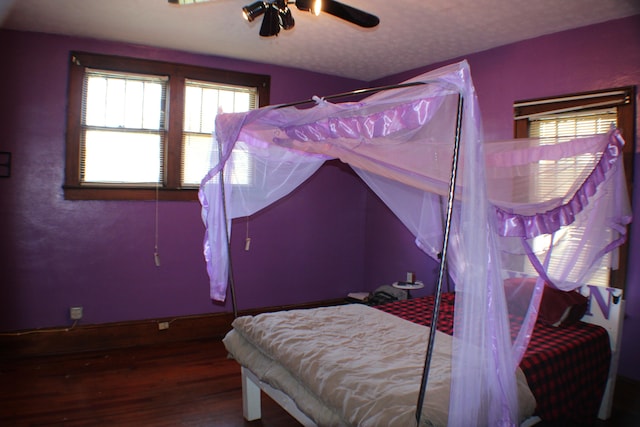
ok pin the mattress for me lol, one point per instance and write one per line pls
(351, 364)
(566, 367)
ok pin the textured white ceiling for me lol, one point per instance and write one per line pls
(411, 34)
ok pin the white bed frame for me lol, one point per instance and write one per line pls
(606, 309)
(251, 405)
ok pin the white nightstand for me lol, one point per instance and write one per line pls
(408, 286)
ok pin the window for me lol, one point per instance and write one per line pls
(576, 115)
(139, 129)
(122, 114)
(202, 101)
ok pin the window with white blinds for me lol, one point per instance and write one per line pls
(203, 101)
(123, 125)
(558, 128)
(567, 117)
(563, 127)
(141, 130)
(570, 125)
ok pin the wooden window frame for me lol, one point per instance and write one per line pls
(624, 99)
(170, 187)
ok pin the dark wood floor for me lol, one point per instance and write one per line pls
(183, 384)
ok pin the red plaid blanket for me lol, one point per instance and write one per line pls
(566, 367)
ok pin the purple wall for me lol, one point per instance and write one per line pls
(391, 251)
(99, 254)
(591, 58)
(308, 248)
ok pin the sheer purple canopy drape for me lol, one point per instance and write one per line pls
(503, 228)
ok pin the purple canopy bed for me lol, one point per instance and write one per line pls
(472, 204)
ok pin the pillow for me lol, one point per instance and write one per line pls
(557, 308)
(561, 308)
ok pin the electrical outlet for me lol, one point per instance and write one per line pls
(75, 313)
(163, 325)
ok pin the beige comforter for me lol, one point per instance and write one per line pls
(351, 364)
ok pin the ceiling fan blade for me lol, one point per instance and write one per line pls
(350, 14)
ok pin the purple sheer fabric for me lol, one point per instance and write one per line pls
(400, 142)
(403, 117)
(512, 224)
(561, 236)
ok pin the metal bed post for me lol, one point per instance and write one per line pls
(443, 262)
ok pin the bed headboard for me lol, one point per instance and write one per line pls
(606, 309)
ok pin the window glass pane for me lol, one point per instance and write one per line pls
(242, 102)
(96, 102)
(197, 149)
(133, 104)
(152, 106)
(192, 108)
(115, 103)
(226, 101)
(106, 163)
(210, 108)
(123, 102)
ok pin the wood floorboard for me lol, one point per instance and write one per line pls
(180, 384)
(188, 384)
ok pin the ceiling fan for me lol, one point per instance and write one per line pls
(277, 13)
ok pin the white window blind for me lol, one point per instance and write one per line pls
(562, 127)
(123, 128)
(203, 101)
(571, 125)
